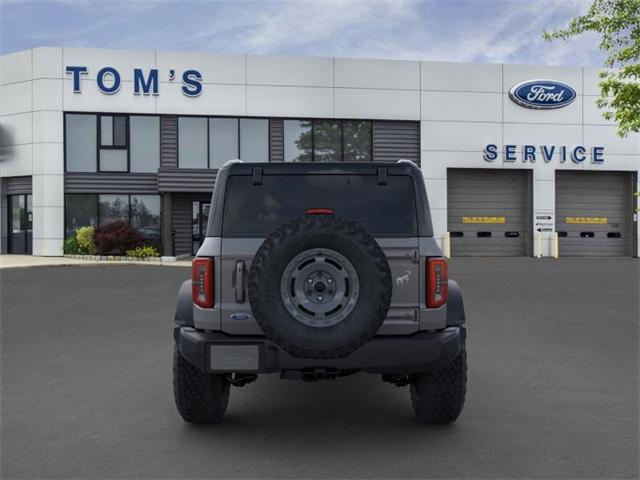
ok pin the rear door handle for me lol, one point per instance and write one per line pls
(239, 281)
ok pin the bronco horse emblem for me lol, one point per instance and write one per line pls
(403, 279)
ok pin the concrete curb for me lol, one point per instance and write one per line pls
(27, 261)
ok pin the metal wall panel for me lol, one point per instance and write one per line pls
(594, 211)
(110, 183)
(186, 180)
(17, 185)
(489, 212)
(276, 140)
(168, 141)
(395, 140)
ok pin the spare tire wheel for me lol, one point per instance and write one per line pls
(320, 287)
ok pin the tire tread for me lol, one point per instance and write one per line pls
(438, 397)
(200, 397)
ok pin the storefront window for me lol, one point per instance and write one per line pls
(357, 141)
(145, 217)
(113, 160)
(254, 140)
(192, 142)
(142, 212)
(223, 141)
(297, 141)
(113, 143)
(80, 142)
(327, 141)
(80, 211)
(113, 131)
(145, 143)
(112, 208)
(106, 131)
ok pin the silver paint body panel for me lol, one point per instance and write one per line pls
(406, 257)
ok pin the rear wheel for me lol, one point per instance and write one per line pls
(200, 397)
(438, 397)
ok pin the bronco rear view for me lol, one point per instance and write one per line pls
(316, 271)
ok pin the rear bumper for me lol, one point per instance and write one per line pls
(219, 352)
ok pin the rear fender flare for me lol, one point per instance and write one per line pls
(455, 305)
(184, 305)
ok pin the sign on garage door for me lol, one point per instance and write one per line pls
(593, 213)
(488, 212)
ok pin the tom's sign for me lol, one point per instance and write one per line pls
(108, 80)
(542, 94)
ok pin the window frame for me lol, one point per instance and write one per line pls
(120, 194)
(152, 115)
(64, 138)
(208, 118)
(341, 121)
(98, 116)
(101, 147)
(237, 119)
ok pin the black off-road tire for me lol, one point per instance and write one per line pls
(301, 235)
(200, 397)
(438, 397)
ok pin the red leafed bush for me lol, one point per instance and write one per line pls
(116, 238)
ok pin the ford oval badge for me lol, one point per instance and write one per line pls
(542, 94)
(240, 316)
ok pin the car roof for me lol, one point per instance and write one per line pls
(405, 167)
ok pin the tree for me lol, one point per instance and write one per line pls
(618, 23)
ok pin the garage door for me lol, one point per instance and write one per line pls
(488, 212)
(593, 213)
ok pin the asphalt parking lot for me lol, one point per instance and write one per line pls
(553, 385)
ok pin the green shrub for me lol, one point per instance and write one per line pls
(86, 244)
(70, 245)
(142, 252)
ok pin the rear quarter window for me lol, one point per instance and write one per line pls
(257, 210)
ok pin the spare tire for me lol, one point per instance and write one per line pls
(320, 287)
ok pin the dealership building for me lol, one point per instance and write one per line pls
(517, 159)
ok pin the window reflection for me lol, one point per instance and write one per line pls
(357, 141)
(112, 208)
(145, 217)
(327, 141)
(80, 211)
(297, 141)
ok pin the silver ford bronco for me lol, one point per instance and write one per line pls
(318, 271)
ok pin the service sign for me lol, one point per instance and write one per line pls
(542, 94)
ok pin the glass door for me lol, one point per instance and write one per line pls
(199, 219)
(20, 224)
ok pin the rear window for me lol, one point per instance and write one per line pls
(257, 210)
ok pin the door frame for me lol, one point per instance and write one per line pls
(202, 227)
(28, 246)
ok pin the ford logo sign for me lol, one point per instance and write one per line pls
(240, 316)
(542, 94)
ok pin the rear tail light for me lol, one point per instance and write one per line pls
(202, 282)
(437, 282)
(319, 211)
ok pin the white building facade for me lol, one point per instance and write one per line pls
(91, 136)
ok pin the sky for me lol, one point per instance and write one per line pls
(486, 31)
